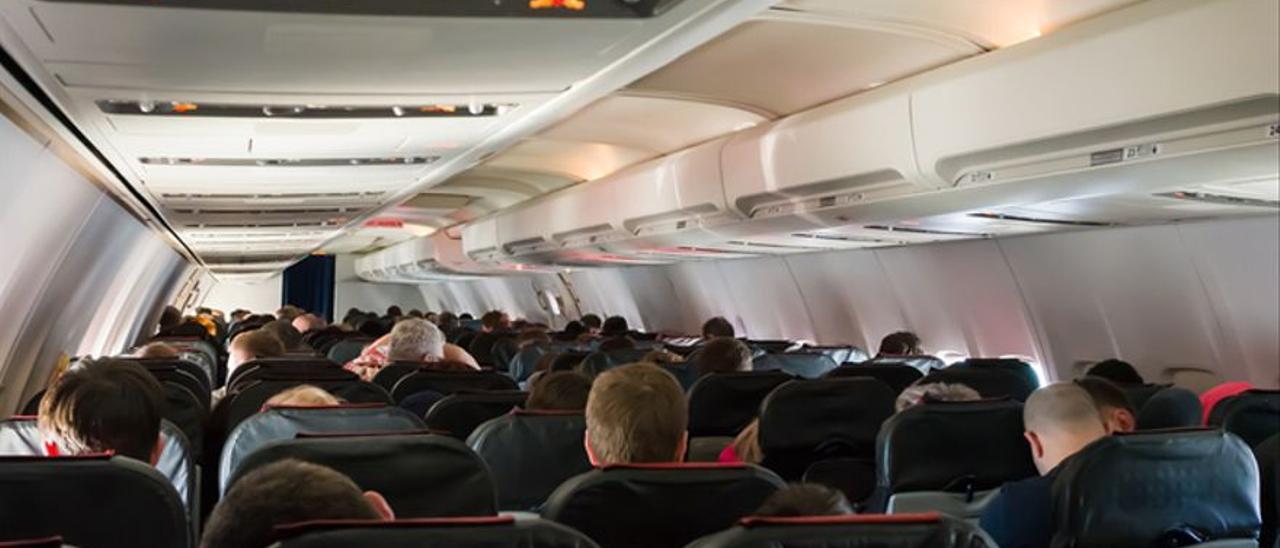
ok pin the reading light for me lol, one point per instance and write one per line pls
(146, 106)
(397, 110)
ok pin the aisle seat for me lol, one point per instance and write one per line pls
(806, 421)
(530, 453)
(925, 530)
(459, 414)
(722, 404)
(897, 376)
(445, 382)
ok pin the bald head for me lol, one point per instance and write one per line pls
(1060, 419)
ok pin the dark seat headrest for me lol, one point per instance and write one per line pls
(486, 532)
(722, 404)
(531, 453)
(659, 504)
(1132, 489)
(930, 530)
(45, 542)
(956, 446)
(1170, 407)
(923, 364)
(91, 500)
(808, 365)
(805, 421)
(1138, 394)
(841, 354)
(236, 407)
(897, 376)
(1254, 415)
(285, 368)
(459, 414)
(447, 382)
(421, 475)
(390, 374)
(600, 361)
(991, 378)
(283, 423)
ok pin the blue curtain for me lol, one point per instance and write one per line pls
(309, 285)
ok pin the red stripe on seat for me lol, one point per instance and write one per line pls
(677, 466)
(293, 529)
(847, 519)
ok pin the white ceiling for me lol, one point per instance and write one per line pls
(797, 55)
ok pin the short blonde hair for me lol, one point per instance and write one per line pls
(303, 395)
(636, 413)
(934, 391)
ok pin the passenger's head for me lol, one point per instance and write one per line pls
(532, 335)
(805, 499)
(934, 391)
(615, 326)
(1114, 406)
(288, 312)
(592, 323)
(572, 331)
(157, 350)
(393, 311)
(415, 340)
(307, 323)
(104, 406)
(447, 320)
(747, 443)
(1171, 408)
(239, 314)
(1060, 419)
(170, 318)
(284, 331)
(1117, 371)
(303, 395)
(617, 343)
(253, 345)
(561, 390)
(288, 491)
(717, 327)
(494, 320)
(722, 355)
(636, 413)
(432, 317)
(901, 343)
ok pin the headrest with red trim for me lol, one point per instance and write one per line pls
(926, 530)
(463, 532)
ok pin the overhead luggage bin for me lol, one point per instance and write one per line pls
(1156, 95)
(438, 257)
(480, 241)
(806, 171)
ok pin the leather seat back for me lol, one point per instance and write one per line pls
(722, 404)
(346, 350)
(237, 407)
(805, 421)
(1170, 407)
(1134, 489)
(945, 456)
(661, 504)
(468, 532)
(420, 474)
(989, 382)
(20, 437)
(283, 423)
(897, 376)
(283, 367)
(600, 361)
(928, 530)
(459, 414)
(449, 382)
(923, 364)
(806, 365)
(390, 374)
(93, 500)
(531, 453)
(1254, 415)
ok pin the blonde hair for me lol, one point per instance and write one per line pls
(934, 391)
(636, 413)
(303, 395)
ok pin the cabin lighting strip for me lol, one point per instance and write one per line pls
(286, 162)
(192, 109)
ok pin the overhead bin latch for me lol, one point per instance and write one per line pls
(1274, 131)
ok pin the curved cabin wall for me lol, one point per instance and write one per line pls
(1194, 295)
(80, 275)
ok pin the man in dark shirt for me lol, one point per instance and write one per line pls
(1060, 420)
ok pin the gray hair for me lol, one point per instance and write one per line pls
(415, 340)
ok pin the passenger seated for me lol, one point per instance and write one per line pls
(493, 325)
(717, 327)
(103, 406)
(559, 391)
(615, 326)
(288, 312)
(805, 499)
(289, 337)
(1060, 420)
(1113, 405)
(303, 395)
(571, 331)
(252, 345)
(917, 394)
(307, 323)
(899, 344)
(593, 324)
(412, 340)
(636, 414)
(1116, 371)
(157, 350)
(289, 491)
(722, 355)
